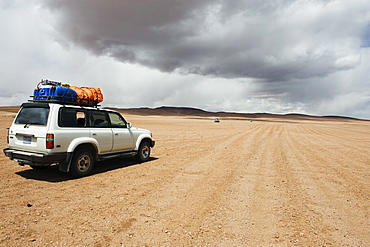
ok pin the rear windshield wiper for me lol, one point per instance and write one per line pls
(33, 123)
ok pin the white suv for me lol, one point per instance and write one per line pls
(74, 137)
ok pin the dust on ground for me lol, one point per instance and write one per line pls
(233, 183)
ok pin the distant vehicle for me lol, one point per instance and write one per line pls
(217, 120)
(73, 136)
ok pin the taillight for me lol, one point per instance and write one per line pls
(49, 141)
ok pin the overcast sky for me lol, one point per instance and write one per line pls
(278, 56)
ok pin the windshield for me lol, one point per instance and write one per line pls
(33, 115)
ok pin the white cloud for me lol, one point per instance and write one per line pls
(275, 41)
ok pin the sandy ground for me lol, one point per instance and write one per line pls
(233, 183)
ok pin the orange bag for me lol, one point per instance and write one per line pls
(89, 95)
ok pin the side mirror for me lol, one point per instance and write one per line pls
(129, 125)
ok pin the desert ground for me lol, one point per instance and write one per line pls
(240, 182)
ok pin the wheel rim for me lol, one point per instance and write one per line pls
(145, 152)
(83, 163)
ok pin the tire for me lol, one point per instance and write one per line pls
(82, 163)
(143, 154)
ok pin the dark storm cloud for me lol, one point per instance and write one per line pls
(270, 40)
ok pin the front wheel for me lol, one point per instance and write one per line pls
(82, 163)
(143, 154)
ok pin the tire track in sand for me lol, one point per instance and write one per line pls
(266, 196)
(189, 209)
(329, 191)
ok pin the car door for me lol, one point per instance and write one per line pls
(123, 139)
(100, 130)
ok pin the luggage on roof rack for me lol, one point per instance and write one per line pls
(56, 92)
(51, 90)
(88, 94)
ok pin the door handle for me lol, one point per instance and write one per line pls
(94, 134)
(116, 134)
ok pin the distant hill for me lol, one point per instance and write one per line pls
(194, 112)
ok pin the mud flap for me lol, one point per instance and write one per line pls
(66, 164)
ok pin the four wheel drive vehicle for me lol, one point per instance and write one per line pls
(72, 136)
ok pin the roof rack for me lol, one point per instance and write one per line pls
(64, 101)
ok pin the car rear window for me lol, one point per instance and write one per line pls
(33, 115)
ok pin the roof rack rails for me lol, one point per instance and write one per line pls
(64, 101)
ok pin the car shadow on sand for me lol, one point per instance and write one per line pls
(53, 175)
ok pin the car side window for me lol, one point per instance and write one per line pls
(99, 119)
(117, 120)
(70, 117)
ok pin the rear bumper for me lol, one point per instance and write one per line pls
(29, 158)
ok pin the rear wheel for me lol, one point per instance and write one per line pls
(82, 163)
(143, 153)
